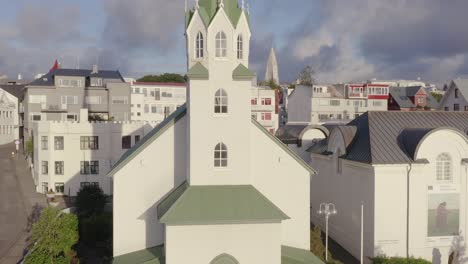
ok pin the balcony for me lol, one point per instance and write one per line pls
(62, 108)
(265, 123)
(263, 108)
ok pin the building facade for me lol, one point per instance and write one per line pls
(60, 94)
(454, 98)
(264, 107)
(9, 113)
(334, 103)
(411, 98)
(409, 171)
(211, 180)
(156, 101)
(69, 155)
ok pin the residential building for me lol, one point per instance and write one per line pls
(156, 101)
(398, 83)
(409, 171)
(334, 103)
(208, 184)
(411, 98)
(60, 94)
(9, 112)
(455, 96)
(264, 107)
(69, 155)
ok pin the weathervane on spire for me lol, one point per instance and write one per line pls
(221, 3)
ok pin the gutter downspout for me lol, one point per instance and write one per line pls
(408, 171)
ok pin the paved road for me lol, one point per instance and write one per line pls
(17, 199)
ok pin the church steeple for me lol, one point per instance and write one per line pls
(271, 73)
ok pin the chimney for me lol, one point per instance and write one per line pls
(95, 69)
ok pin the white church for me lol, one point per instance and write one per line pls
(209, 184)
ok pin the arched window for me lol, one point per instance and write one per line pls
(444, 167)
(221, 102)
(199, 46)
(220, 156)
(240, 47)
(221, 45)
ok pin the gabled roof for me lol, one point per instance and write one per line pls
(198, 72)
(209, 8)
(399, 94)
(242, 73)
(15, 90)
(218, 205)
(392, 137)
(149, 138)
(462, 85)
(48, 79)
(292, 255)
(154, 255)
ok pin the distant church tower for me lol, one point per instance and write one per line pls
(271, 72)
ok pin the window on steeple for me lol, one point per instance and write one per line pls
(221, 102)
(240, 47)
(221, 45)
(199, 46)
(220, 156)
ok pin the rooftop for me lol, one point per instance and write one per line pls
(48, 79)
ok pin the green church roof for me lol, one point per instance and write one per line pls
(291, 255)
(209, 8)
(217, 205)
(198, 72)
(242, 73)
(153, 255)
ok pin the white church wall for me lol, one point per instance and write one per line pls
(141, 185)
(197, 25)
(285, 182)
(247, 243)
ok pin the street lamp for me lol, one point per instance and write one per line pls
(326, 209)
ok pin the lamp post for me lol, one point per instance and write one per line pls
(326, 209)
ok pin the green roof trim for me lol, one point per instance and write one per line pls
(291, 255)
(173, 196)
(242, 73)
(198, 72)
(219, 205)
(209, 8)
(153, 255)
(285, 148)
(149, 138)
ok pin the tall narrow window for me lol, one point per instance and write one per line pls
(220, 156)
(444, 167)
(456, 93)
(240, 47)
(221, 45)
(221, 102)
(199, 46)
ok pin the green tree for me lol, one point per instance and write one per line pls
(316, 245)
(166, 77)
(90, 200)
(398, 260)
(307, 76)
(53, 237)
(30, 147)
(437, 96)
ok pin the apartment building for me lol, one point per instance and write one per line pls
(155, 101)
(69, 154)
(9, 117)
(335, 103)
(264, 107)
(60, 94)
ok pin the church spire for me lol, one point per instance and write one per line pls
(271, 73)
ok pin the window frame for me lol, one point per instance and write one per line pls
(126, 142)
(60, 185)
(220, 45)
(240, 47)
(44, 143)
(45, 167)
(89, 142)
(221, 161)
(221, 102)
(57, 144)
(444, 168)
(199, 46)
(59, 167)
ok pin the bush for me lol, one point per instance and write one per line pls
(30, 147)
(96, 228)
(317, 247)
(398, 260)
(90, 200)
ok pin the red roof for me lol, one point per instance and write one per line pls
(160, 84)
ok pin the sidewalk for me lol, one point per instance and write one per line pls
(31, 202)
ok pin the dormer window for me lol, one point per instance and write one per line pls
(221, 45)
(240, 47)
(199, 46)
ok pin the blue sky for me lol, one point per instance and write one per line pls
(344, 40)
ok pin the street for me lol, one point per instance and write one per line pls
(17, 200)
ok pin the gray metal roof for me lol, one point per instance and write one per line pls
(399, 94)
(292, 133)
(462, 85)
(392, 137)
(14, 89)
(48, 79)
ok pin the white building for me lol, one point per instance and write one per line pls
(455, 98)
(210, 184)
(399, 83)
(156, 101)
(9, 119)
(69, 155)
(264, 107)
(409, 170)
(272, 72)
(333, 103)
